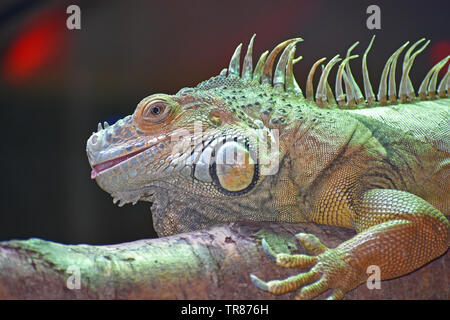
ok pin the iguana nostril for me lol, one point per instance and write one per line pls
(94, 139)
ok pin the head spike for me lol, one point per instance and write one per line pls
(409, 51)
(259, 66)
(297, 59)
(392, 86)
(291, 83)
(297, 88)
(330, 97)
(448, 82)
(330, 100)
(406, 58)
(340, 96)
(279, 77)
(349, 50)
(423, 89)
(368, 91)
(405, 89)
(382, 90)
(235, 61)
(357, 92)
(247, 67)
(266, 76)
(223, 72)
(433, 81)
(349, 91)
(423, 92)
(321, 97)
(309, 81)
(99, 127)
(444, 85)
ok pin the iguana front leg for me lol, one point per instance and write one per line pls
(398, 232)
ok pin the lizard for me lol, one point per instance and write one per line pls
(250, 146)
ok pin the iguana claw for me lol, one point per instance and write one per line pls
(259, 283)
(328, 270)
(268, 250)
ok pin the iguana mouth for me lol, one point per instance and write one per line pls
(99, 168)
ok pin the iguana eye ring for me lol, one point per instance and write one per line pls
(155, 112)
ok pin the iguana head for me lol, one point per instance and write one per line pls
(201, 154)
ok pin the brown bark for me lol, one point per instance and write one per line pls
(208, 264)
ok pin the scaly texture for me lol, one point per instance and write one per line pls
(249, 146)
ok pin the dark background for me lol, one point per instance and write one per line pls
(57, 84)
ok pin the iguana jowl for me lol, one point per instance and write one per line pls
(378, 166)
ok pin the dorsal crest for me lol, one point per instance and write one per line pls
(347, 95)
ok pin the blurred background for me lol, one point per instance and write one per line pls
(57, 84)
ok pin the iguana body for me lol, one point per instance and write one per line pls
(381, 169)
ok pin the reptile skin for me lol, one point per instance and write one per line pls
(249, 146)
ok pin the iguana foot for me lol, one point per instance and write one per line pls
(330, 269)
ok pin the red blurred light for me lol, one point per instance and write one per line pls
(34, 46)
(438, 52)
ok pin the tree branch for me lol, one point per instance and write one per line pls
(207, 264)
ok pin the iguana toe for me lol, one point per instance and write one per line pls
(285, 285)
(311, 243)
(330, 269)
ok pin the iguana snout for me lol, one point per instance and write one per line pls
(126, 156)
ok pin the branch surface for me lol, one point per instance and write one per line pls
(206, 264)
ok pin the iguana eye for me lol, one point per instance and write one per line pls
(156, 111)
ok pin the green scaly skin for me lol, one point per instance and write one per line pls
(381, 170)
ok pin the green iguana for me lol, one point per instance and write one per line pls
(250, 146)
